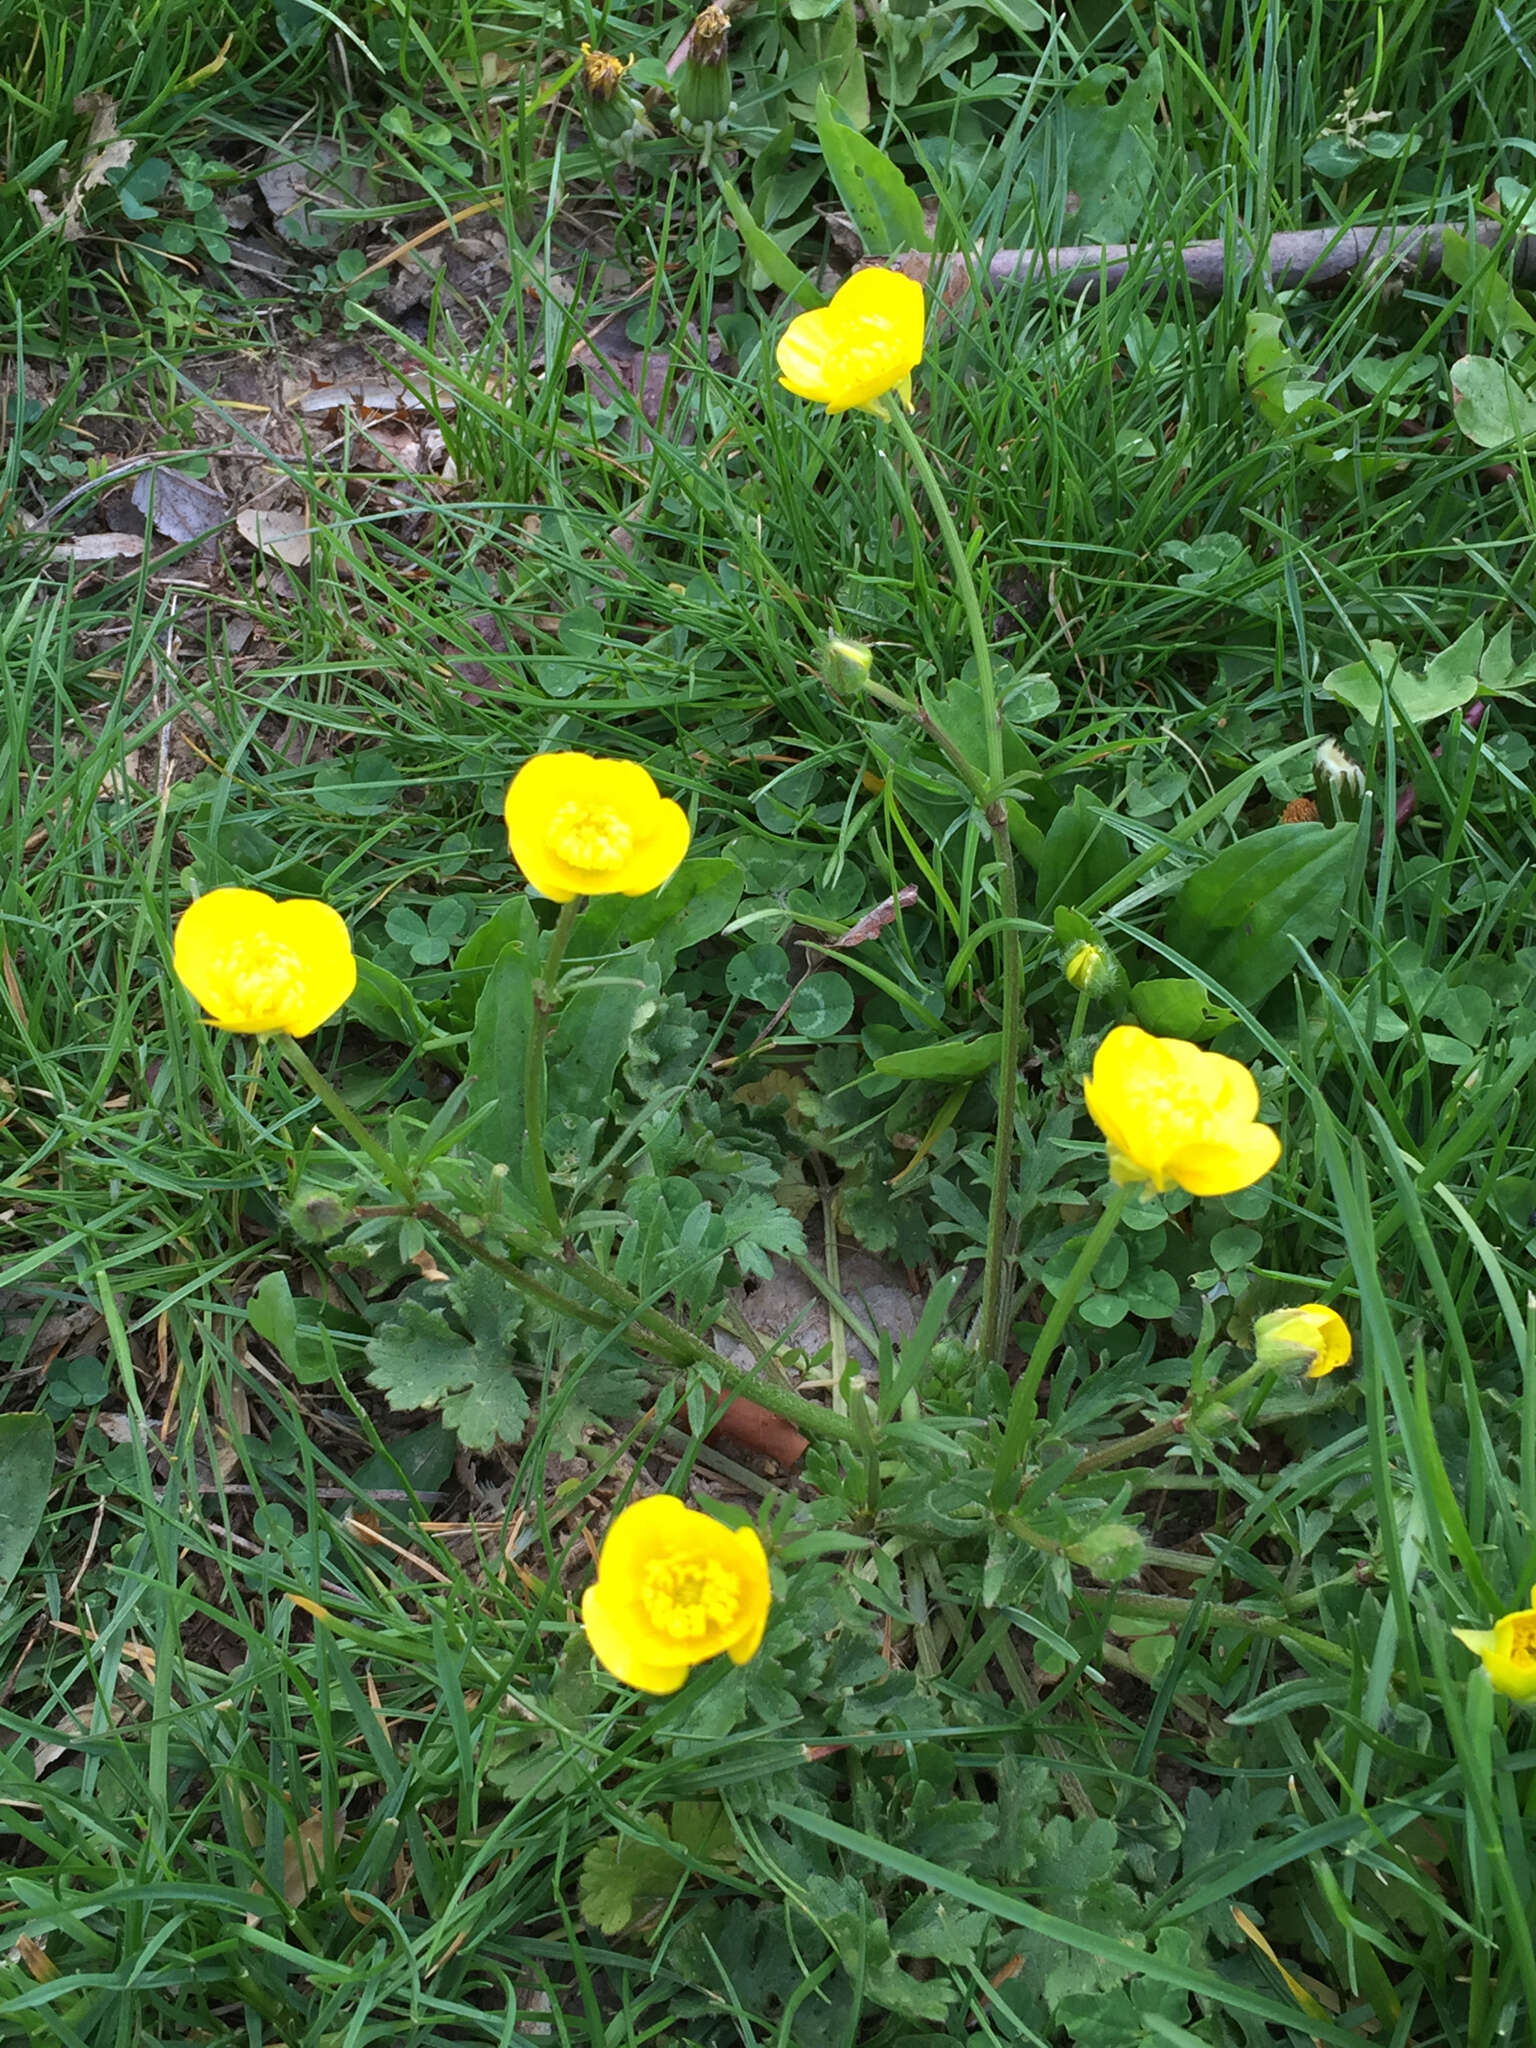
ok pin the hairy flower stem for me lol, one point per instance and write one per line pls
(1173, 1607)
(1021, 1409)
(997, 1269)
(391, 1172)
(679, 1346)
(1188, 1417)
(546, 1001)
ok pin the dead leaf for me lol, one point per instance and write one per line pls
(304, 1854)
(105, 151)
(99, 547)
(304, 185)
(284, 534)
(373, 395)
(876, 920)
(180, 507)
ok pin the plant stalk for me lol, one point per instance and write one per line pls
(1021, 1409)
(390, 1170)
(546, 1000)
(997, 1273)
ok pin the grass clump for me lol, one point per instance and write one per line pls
(1166, 672)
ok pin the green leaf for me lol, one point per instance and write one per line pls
(383, 1004)
(625, 1883)
(1022, 16)
(1241, 917)
(1491, 407)
(1450, 680)
(696, 904)
(593, 1027)
(1081, 855)
(463, 1368)
(1176, 1007)
(26, 1473)
(1490, 296)
(821, 1005)
(943, 1059)
(498, 1047)
(294, 1328)
(885, 209)
(778, 267)
(1110, 150)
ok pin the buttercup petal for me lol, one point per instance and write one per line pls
(754, 1571)
(662, 854)
(803, 352)
(612, 1648)
(205, 931)
(319, 936)
(1220, 1166)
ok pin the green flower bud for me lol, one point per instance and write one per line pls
(845, 663)
(704, 103)
(1092, 969)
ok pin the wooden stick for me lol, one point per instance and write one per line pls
(1316, 259)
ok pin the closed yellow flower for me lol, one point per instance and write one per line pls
(1175, 1115)
(584, 827)
(859, 348)
(674, 1588)
(1310, 1339)
(1508, 1651)
(257, 965)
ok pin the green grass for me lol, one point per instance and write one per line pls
(978, 1755)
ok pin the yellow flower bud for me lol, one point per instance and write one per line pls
(1508, 1651)
(674, 1589)
(1310, 1339)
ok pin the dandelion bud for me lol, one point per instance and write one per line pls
(616, 121)
(1310, 1340)
(1339, 782)
(704, 103)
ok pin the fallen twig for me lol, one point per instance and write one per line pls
(1314, 258)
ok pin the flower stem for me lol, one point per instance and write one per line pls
(390, 1170)
(546, 1000)
(678, 1345)
(997, 1273)
(1021, 1409)
(1127, 1447)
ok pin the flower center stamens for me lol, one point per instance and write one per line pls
(590, 836)
(686, 1597)
(1522, 1640)
(260, 980)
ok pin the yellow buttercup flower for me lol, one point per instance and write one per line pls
(1508, 1651)
(859, 348)
(258, 965)
(1175, 1115)
(1310, 1339)
(674, 1588)
(584, 827)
